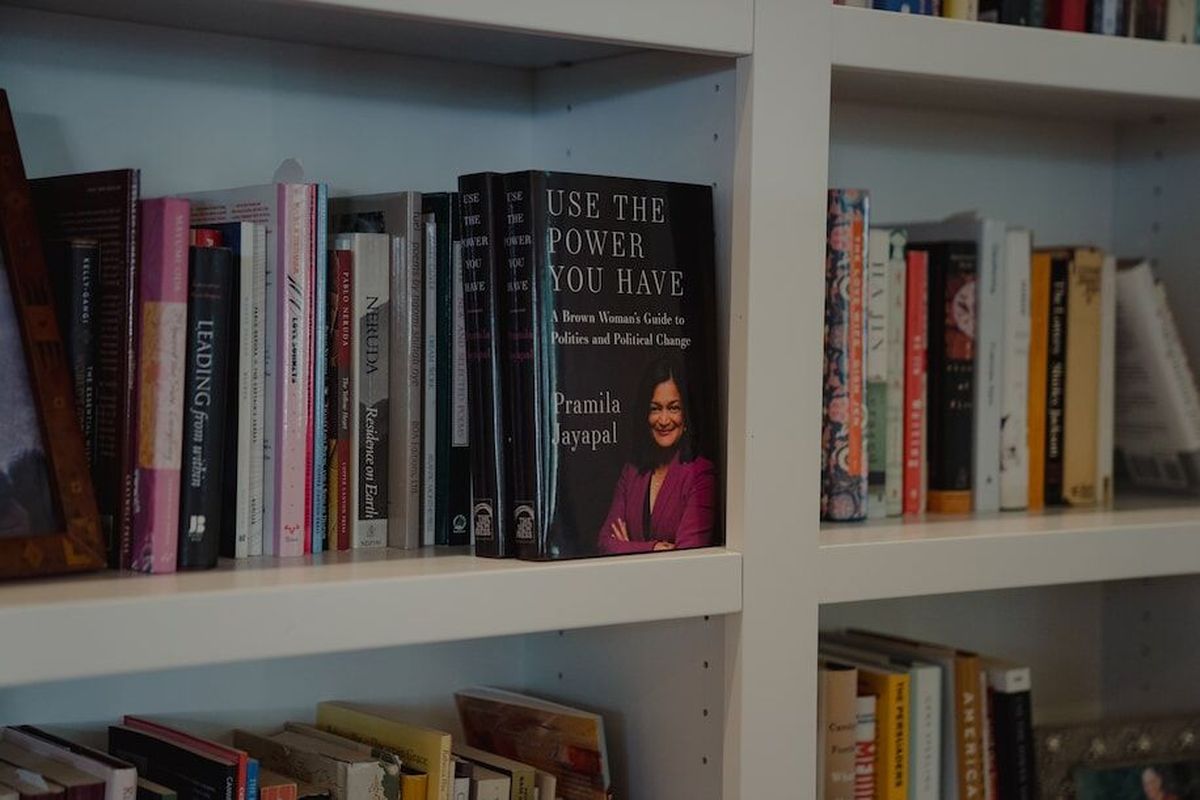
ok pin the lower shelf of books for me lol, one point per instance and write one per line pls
(934, 554)
(264, 608)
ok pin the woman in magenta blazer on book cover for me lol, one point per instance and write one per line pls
(666, 497)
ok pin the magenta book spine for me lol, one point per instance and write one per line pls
(291, 371)
(161, 362)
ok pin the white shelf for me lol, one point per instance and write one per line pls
(264, 608)
(529, 33)
(936, 555)
(930, 61)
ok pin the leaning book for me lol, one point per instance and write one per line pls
(610, 384)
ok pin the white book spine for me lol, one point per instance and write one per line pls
(989, 752)
(429, 430)
(270, 397)
(1014, 413)
(248, 514)
(897, 277)
(877, 370)
(925, 754)
(989, 366)
(1105, 403)
(1181, 21)
(369, 386)
(1181, 371)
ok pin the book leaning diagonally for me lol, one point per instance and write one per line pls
(425, 749)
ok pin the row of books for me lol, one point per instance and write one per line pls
(1169, 20)
(966, 370)
(515, 747)
(325, 373)
(900, 719)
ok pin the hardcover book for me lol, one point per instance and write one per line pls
(1039, 331)
(74, 267)
(865, 747)
(341, 399)
(430, 409)
(286, 210)
(1056, 375)
(878, 310)
(369, 440)
(161, 368)
(193, 774)
(399, 215)
(76, 784)
(104, 206)
(484, 219)
(319, 361)
(844, 460)
(149, 790)
(522, 777)
(896, 345)
(27, 785)
(837, 720)
(244, 777)
(1009, 689)
(119, 777)
(610, 365)
(915, 379)
(210, 276)
(1014, 390)
(1082, 381)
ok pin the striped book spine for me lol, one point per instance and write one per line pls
(843, 439)
(161, 362)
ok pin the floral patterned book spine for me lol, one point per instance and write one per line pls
(843, 443)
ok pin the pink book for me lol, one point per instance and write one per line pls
(285, 210)
(161, 360)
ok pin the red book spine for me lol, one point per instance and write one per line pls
(1067, 15)
(343, 266)
(915, 324)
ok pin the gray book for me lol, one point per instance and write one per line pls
(398, 215)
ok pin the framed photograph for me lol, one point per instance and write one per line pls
(48, 518)
(1158, 759)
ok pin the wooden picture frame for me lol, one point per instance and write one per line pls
(79, 545)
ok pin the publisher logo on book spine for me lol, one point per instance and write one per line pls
(523, 521)
(482, 521)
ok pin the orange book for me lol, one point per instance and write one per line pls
(1039, 321)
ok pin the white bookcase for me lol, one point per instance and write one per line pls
(703, 662)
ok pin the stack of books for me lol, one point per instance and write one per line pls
(968, 371)
(514, 747)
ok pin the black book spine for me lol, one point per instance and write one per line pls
(230, 479)
(1056, 378)
(481, 198)
(522, 352)
(205, 396)
(1014, 12)
(458, 491)
(73, 266)
(192, 775)
(951, 374)
(1012, 726)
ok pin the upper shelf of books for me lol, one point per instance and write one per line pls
(945, 554)
(529, 33)
(267, 608)
(915, 60)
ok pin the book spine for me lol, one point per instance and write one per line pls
(1014, 425)
(864, 748)
(126, 407)
(170, 764)
(235, 502)
(458, 500)
(210, 274)
(520, 380)
(839, 693)
(253, 490)
(1039, 330)
(1016, 767)
(960, 9)
(160, 369)
(445, 220)
(1068, 15)
(915, 331)
(343, 272)
(483, 215)
(1150, 19)
(877, 310)
(891, 760)
(1037, 13)
(951, 377)
(320, 362)
(429, 465)
(896, 346)
(925, 717)
(969, 719)
(1056, 367)
(289, 451)
(989, 367)
(1082, 378)
(73, 265)
(844, 457)
(1106, 385)
(308, 322)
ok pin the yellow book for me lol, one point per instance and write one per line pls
(891, 687)
(414, 784)
(960, 9)
(1083, 377)
(1039, 322)
(424, 749)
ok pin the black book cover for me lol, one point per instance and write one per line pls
(205, 399)
(1012, 732)
(1056, 377)
(458, 493)
(950, 374)
(192, 774)
(103, 206)
(1008, 12)
(149, 790)
(74, 266)
(452, 475)
(610, 384)
(481, 198)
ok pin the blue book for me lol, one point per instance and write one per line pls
(320, 480)
(252, 779)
